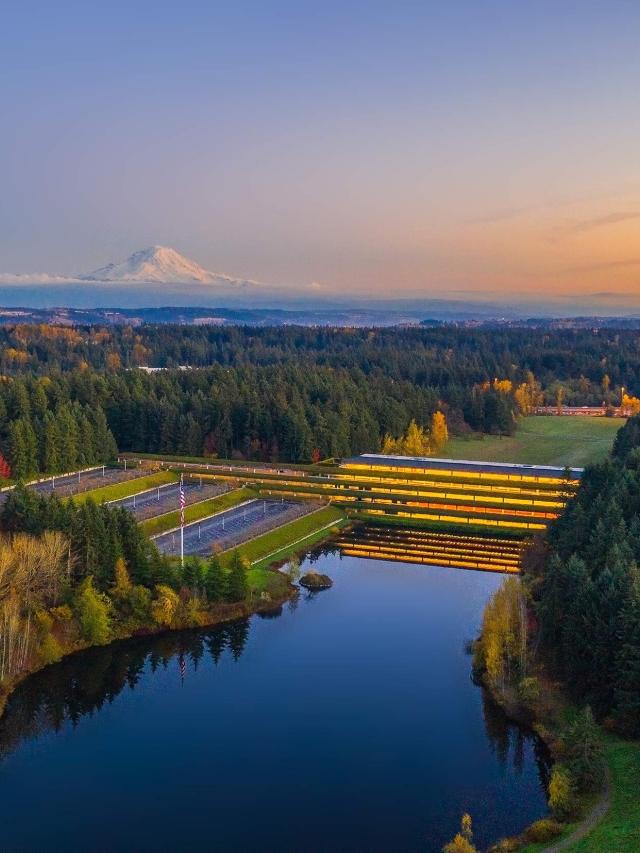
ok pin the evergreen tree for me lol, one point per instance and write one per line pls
(627, 671)
(215, 581)
(238, 585)
(193, 575)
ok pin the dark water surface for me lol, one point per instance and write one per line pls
(349, 722)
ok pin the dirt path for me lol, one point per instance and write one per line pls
(590, 821)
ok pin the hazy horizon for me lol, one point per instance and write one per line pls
(460, 151)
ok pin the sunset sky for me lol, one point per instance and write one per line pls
(411, 148)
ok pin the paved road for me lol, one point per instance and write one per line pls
(231, 526)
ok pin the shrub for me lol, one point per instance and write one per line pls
(463, 841)
(63, 613)
(165, 606)
(44, 622)
(506, 845)
(49, 650)
(543, 830)
(140, 603)
(561, 792)
(94, 613)
(529, 690)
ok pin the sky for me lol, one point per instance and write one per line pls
(461, 149)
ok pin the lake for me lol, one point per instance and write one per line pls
(348, 721)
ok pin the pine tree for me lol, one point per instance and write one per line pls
(215, 581)
(193, 575)
(51, 446)
(238, 585)
(627, 670)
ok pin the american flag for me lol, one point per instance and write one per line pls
(182, 501)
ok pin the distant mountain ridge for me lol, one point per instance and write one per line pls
(159, 264)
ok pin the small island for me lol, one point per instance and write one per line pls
(314, 581)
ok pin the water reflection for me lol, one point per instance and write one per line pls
(508, 741)
(83, 684)
(357, 700)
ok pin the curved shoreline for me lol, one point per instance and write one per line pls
(527, 716)
(231, 613)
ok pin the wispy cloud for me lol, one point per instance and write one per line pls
(594, 222)
(605, 265)
(503, 215)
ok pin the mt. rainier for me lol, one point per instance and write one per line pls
(162, 265)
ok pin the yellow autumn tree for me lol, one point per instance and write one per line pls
(502, 648)
(165, 606)
(463, 841)
(389, 445)
(528, 395)
(439, 431)
(502, 386)
(416, 441)
(631, 403)
(122, 585)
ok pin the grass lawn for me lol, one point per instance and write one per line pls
(153, 526)
(543, 440)
(128, 487)
(283, 541)
(265, 580)
(619, 830)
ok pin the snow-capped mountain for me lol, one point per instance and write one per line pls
(162, 265)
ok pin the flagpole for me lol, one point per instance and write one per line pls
(181, 521)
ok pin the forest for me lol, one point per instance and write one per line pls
(587, 589)
(72, 396)
(73, 574)
(581, 586)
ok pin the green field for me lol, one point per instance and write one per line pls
(128, 487)
(543, 440)
(619, 830)
(153, 526)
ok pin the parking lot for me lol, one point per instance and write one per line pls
(231, 527)
(158, 501)
(67, 485)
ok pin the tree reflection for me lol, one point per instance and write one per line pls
(82, 684)
(509, 740)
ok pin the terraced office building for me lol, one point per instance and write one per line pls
(438, 492)
(492, 494)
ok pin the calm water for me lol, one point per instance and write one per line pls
(346, 722)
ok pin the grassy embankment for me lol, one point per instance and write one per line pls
(197, 511)
(278, 544)
(129, 487)
(543, 440)
(619, 829)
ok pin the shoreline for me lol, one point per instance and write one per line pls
(225, 613)
(592, 807)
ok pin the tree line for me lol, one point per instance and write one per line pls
(288, 411)
(71, 396)
(586, 590)
(589, 364)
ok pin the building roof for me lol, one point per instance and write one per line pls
(473, 467)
